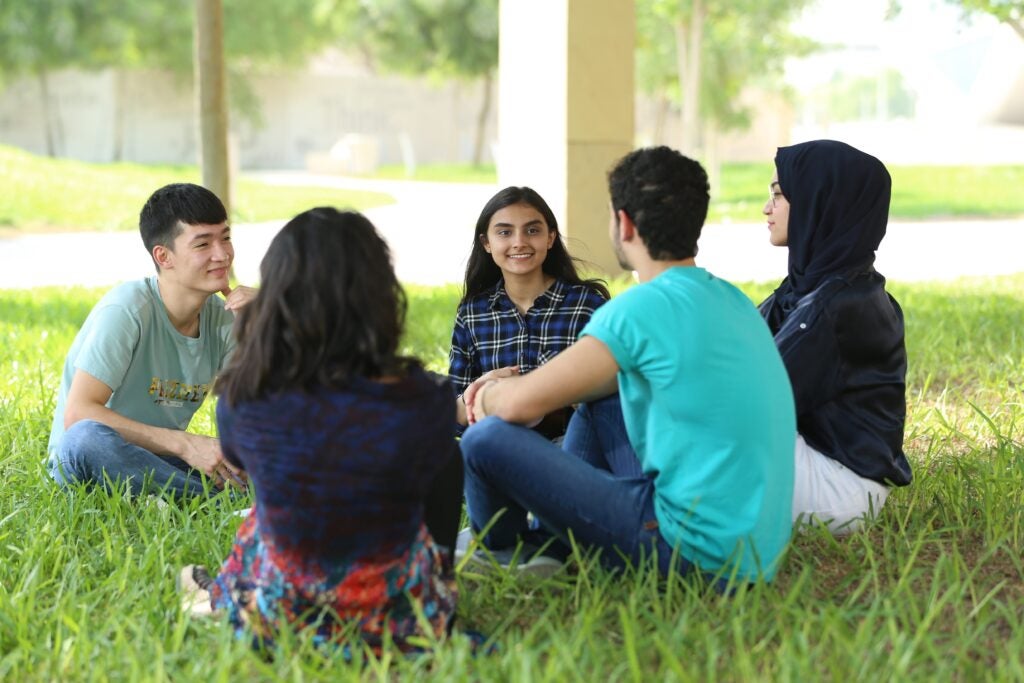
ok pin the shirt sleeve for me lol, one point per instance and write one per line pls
(106, 352)
(463, 365)
(225, 420)
(810, 350)
(618, 328)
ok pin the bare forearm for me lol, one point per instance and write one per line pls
(158, 440)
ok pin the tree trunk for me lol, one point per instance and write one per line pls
(211, 87)
(117, 147)
(713, 157)
(689, 42)
(481, 120)
(1017, 26)
(44, 93)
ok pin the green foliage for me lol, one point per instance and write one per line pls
(61, 194)
(1010, 12)
(441, 38)
(884, 96)
(744, 43)
(933, 591)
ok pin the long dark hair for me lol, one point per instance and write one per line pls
(482, 272)
(329, 309)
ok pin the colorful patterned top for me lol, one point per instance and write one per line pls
(491, 333)
(336, 540)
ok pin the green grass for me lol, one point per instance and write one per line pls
(918, 192)
(441, 173)
(42, 194)
(933, 591)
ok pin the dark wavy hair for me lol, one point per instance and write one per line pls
(166, 209)
(666, 195)
(482, 272)
(329, 309)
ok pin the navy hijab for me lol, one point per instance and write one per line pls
(839, 209)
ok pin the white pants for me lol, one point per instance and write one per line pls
(825, 491)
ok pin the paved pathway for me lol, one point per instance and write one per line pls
(430, 230)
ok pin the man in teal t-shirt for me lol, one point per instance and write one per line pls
(694, 454)
(147, 356)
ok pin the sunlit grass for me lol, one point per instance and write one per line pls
(42, 194)
(933, 591)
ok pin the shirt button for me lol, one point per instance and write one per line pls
(803, 326)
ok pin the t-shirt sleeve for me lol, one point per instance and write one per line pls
(106, 352)
(617, 325)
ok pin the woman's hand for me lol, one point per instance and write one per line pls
(470, 395)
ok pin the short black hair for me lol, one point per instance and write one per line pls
(172, 205)
(329, 309)
(666, 195)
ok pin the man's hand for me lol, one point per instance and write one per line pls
(237, 298)
(469, 396)
(204, 454)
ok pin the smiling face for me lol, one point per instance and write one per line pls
(777, 211)
(518, 239)
(200, 258)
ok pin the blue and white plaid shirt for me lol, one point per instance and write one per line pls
(491, 333)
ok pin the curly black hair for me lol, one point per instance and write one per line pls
(666, 195)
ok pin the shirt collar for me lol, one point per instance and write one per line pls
(500, 300)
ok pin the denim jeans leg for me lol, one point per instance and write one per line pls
(513, 468)
(93, 452)
(597, 435)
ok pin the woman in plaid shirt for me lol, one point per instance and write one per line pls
(523, 300)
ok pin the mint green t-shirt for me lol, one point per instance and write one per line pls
(709, 411)
(158, 375)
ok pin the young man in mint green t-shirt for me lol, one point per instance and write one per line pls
(147, 356)
(694, 454)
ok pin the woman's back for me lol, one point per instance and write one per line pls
(343, 473)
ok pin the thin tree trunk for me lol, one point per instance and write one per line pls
(1017, 26)
(44, 93)
(689, 43)
(211, 87)
(481, 120)
(117, 146)
(661, 109)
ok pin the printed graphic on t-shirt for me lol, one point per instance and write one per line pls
(174, 393)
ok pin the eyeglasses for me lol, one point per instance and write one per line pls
(773, 193)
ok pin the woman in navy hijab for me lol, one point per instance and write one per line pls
(839, 332)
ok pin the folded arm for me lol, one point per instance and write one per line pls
(584, 372)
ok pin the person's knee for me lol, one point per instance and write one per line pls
(82, 437)
(482, 437)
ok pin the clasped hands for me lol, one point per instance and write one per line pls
(475, 394)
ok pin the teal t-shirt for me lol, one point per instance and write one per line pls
(709, 411)
(158, 375)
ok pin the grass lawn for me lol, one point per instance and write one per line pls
(43, 194)
(933, 591)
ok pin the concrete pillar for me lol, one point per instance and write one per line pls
(566, 109)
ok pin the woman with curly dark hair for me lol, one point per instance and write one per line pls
(349, 446)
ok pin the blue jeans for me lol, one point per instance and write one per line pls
(592, 487)
(92, 452)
